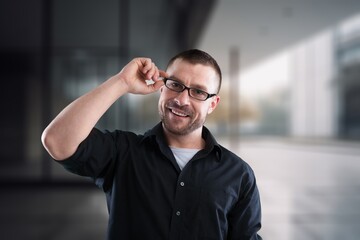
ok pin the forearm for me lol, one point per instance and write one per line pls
(64, 134)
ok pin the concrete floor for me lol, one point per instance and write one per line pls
(45, 213)
(309, 190)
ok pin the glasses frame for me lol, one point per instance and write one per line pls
(209, 95)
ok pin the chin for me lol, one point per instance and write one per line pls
(180, 131)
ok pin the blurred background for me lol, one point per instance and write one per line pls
(290, 103)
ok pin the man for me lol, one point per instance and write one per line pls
(173, 182)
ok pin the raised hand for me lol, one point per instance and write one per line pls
(141, 76)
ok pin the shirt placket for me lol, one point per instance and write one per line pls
(178, 209)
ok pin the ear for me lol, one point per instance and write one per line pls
(214, 102)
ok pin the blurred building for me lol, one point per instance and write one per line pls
(52, 51)
(290, 103)
(307, 90)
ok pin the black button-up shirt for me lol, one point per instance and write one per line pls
(214, 197)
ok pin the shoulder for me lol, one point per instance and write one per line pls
(229, 155)
(234, 161)
(114, 135)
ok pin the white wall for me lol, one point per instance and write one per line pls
(313, 92)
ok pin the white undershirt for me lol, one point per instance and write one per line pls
(183, 155)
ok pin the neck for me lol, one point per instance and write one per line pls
(190, 140)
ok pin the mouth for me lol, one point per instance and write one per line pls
(178, 112)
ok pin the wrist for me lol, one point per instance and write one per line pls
(119, 84)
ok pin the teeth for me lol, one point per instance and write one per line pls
(178, 113)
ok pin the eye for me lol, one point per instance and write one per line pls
(198, 93)
(175, 85)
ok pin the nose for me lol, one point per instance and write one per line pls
(183, 97)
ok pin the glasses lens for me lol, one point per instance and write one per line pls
(175, 86)
(193, 92)
(198, 94)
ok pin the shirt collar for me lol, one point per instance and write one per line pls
(157, 132)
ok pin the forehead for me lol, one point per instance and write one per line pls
(193, 74)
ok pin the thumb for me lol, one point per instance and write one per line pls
(158, 84)
(160, 81)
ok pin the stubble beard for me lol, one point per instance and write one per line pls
(174, 127)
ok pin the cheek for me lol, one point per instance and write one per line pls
(163, 99)
(161, 102)
(163, 96)
(203, 111)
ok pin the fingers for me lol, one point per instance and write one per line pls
(157, 80)
(146, 64)
(148, 74)
(163, 74)
(149, 69)
(157, 85)
(154, 73)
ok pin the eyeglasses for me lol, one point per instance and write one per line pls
(193, 92)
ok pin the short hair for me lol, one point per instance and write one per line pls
(196, 56)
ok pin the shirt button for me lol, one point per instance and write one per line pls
(178, 213)
(182, 184)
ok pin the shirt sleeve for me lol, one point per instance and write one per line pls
(245, 218)
(95, 158)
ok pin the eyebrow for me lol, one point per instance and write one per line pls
(196, 86)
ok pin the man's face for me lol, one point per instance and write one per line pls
(180, 113)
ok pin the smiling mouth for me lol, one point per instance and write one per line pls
(178, 113)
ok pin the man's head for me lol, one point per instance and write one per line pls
(195, 56)
(191, 74)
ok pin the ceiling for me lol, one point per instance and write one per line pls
(160, 28)
(92, 28)
(261, 28)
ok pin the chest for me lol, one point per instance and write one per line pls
(205, 180)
